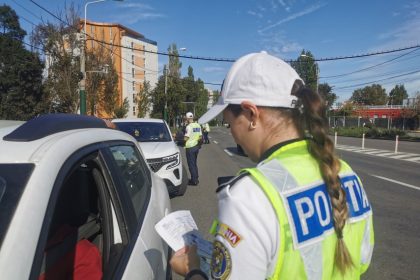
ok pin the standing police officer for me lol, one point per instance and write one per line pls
(193, 138)
(206, 130)
(301, 213)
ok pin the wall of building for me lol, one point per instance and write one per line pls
(133, 61)
(132, 64)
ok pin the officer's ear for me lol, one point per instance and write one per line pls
(250, 110)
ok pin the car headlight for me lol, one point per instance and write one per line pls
(157, 163)
(173, 159)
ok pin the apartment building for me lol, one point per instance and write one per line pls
(134, 58)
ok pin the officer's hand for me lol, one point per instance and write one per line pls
(185, 260)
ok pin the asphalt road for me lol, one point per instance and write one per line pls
(392, 186)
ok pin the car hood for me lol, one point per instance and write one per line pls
(158, 149)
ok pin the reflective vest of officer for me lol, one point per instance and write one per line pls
(194, 134)
(207, 127)
(291, 179)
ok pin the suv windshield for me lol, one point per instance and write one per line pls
(146, 131)
(13, 178)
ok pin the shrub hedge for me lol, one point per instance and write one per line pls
(370, 132)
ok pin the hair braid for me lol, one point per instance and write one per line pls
(313, 121)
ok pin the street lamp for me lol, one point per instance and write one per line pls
(82, 85)
(316, 70)
(165, 70)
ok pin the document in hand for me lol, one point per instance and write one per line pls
(179, 229)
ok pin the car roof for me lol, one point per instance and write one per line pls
(62, 134)
(151, 120)
(49, 124)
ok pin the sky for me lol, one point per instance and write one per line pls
(231, 29)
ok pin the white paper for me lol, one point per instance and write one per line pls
(179, 229)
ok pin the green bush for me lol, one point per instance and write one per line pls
(370, 132)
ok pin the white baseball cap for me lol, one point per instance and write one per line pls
(189, 115)
(261, 78)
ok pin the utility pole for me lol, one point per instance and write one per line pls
(82, 83)
(165, 114)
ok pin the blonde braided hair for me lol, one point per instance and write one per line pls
(312, 120)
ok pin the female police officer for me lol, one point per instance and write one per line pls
(301, 213)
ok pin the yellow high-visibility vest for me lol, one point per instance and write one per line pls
(292, 181)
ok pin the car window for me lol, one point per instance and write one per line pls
(13, 179)
(76, 225)
(134, 175)
(146, 131)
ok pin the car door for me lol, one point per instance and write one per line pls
(77, 234)
(133, 187)
(146, 256)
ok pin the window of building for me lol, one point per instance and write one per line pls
(132, 72)
(134, 86)
(134, 97)
(375, 116)
(134, 110)
(132, 59)
(132, 46)
(384, 116)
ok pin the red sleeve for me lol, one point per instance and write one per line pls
(88, 262)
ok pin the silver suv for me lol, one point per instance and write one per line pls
(161, 152)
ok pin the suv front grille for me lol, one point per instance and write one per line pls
(157, 163)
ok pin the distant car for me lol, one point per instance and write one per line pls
(160, 150)
(70, 184)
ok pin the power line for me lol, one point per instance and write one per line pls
(233, 60)
(370, 77)
(370, 67)
(102, 43)
(415, 47)
(29, 11)
(27, 20)
(373, 82)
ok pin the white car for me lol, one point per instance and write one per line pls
(78, 201)
(159, 148)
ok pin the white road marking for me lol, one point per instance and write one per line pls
(381, 153)
(215, 142)
(227, 152)
(385, 154)
(398, 182)
(399, 155)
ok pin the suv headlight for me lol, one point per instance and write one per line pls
(173, 159)
(157, 163)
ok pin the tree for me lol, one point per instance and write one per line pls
(20, 71)
(121, 111)
(144, 100)
(174, 64)
(175, 91)
(397, 95)
(370, 95)
(306, 66)
(346, 110)
(62, 46)
(325, 90)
